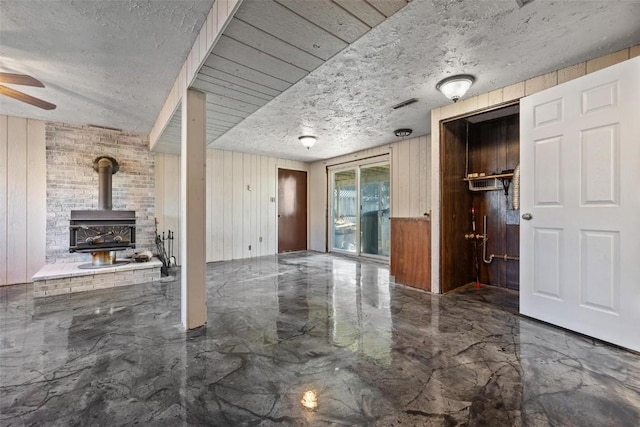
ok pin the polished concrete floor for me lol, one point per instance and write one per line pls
(374, 353)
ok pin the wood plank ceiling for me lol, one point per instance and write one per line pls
(268, 46)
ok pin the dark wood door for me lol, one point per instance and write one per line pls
(292, 210)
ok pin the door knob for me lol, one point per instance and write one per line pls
(527, 216)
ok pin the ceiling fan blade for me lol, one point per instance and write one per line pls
(26, 98)
(20, 79)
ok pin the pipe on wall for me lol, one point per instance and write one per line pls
(485, 239)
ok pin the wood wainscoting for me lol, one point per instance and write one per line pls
(411, 252)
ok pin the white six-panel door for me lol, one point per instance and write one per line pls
(580, 187)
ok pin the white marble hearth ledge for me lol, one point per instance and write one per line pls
(59, 279)
(56, 271)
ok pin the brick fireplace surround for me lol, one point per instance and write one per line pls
(72, 184)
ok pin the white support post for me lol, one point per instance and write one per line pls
(193, 210)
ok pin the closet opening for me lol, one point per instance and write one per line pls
(480, 215)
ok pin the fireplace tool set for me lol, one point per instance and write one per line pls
(164, 246)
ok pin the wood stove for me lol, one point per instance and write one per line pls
(104, 231)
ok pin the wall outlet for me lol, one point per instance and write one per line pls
(249, 247)
(260, 239)
(273, 199)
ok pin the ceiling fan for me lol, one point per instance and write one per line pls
(25, 80)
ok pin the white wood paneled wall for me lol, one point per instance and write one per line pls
(410, 160)
(167, 194)
(410, 183)
(236, 216)
(23, 199)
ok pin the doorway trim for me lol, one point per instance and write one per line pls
(439, 117)
(356, 164)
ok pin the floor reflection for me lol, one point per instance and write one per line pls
(564, 378)
(303, 339)
(361, 317)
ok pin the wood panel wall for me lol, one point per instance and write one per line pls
(410, 178)
(240, 210)
(23, 199)
(410, 183)
(457, 260)
(494, 146)
(410, 260)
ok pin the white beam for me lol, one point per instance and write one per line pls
(217, 20)
(193, 210)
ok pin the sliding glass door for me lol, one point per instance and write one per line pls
(360, 207)
(374, 212)
(345, 211)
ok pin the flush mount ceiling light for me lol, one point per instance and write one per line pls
(402, 132)
(455, 87)
(307, 140)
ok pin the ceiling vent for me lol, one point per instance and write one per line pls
(405, 103)
(104, 128)
(523, 2)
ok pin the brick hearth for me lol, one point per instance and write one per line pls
(58, 279)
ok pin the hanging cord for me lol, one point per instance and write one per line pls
(475, 245)
(466, 156)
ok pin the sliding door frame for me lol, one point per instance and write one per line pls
(331, 171)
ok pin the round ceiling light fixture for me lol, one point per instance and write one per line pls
(402, 132)
(307, 140)
(455, 87)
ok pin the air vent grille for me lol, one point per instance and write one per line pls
(405, 103)
(523, 2)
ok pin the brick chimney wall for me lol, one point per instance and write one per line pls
(73, 184)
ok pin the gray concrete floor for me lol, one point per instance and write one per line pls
(374, 353)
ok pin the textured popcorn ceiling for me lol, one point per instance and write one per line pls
(112, 63)
(103, 62)
(347, 101)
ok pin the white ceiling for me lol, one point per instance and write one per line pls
(268, 46)
(104, 62)
(112, 63)
(347, 101)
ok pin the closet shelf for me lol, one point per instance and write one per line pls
(486, 177)
(490, 182)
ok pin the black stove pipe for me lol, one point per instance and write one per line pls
(105, 166)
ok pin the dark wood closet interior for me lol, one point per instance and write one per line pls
(485, 144)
